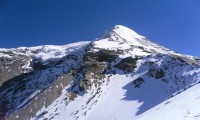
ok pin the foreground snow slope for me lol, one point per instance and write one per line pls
(184, 106)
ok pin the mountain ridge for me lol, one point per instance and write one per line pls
(76, 81)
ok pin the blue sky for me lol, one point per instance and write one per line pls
(171, 23)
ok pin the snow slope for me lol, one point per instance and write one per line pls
(120, 98)
(53, 52)
(120, 76)
(184, 106)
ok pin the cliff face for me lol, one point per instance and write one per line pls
(77, 81)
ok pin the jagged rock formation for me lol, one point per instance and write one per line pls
(77, 81)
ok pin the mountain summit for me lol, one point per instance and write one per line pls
(123, 32)
(121, 75)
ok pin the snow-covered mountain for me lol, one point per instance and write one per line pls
(120, 76)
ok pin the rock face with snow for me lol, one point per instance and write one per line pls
(121, 75)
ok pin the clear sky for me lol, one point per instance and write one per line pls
(172, 23)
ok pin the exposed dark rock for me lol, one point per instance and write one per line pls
(95, 63)
(37, 65)
(156, 73)
(92, 72)
(187, 60)
(9, 68)
(44, 83)
(102, 55)
(83, 85)
(138, 82)
(42, 114)
(73, 96)
(45, 98)
(127, 64)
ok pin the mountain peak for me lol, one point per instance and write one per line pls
(123, 32)
(125, 29)
(124, 38)
(76, 81)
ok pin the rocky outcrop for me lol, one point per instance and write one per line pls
(156, 73)
(11, 67)
(127, 64)
(138, 82)
(22, 96)
(189, 61)
(95, 64)
(102, 55)
(44, 99)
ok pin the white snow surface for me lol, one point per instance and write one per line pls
(12, 52)
(184, 106)
(128, 34)
(117, 98)
(123, 38)
(53, 52)
(111, 99)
